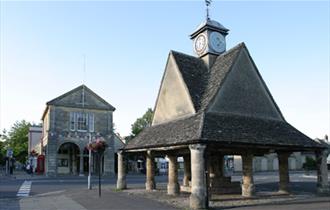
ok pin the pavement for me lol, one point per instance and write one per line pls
(70, 192)
(83, 199)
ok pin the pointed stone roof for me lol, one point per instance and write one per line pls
(225, 128)
(193, 71)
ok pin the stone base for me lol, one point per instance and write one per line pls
(121, 184)
(150, 185)
(248, 191)
(173, 189)
(198, 201)
(185, 189)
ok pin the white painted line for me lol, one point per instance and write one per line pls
(25, 189)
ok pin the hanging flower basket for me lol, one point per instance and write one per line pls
(99, 145)
(33, 153)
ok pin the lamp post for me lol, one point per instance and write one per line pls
(89, 186)
(98, 147)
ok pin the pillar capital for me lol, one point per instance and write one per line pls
(120, 152)
(284, 154)
(200, 147)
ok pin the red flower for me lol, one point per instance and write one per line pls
(98, 145)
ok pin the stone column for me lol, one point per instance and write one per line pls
(81, 163)
(121, 180)
(283, 171)
(322, 172)
(173, 187)
(187, 171)
(198, 197)
(109, 161)
(247, 185)
(216, 165)
(150, 171)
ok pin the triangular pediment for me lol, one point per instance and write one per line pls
(81, 97)
(243, 92)
(174, 100)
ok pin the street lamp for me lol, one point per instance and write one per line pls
(89, 186)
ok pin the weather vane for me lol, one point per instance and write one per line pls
(208, 3)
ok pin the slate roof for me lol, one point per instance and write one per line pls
(203, 85)
(222, 129)
(242, 129)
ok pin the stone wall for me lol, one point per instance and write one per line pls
(59, 133)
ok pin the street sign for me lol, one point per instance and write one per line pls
(10, 152)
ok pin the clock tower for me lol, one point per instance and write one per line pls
(209, 40)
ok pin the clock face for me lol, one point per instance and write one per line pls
(200, 43)
(217, 42)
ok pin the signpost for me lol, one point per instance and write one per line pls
(9, 155)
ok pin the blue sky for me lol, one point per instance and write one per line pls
(126, 44)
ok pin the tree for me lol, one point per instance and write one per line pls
(141, 123)
(17, 140)
(3, 146)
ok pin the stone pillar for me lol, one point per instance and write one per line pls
(247, 185)
(121, 180)
(283, 170)
(322, 172)
(216, 165)
(150, 171)
(51, 155)
(187, 171)
(109, 161)
(173, 187)
(81, 163)
(198, 197)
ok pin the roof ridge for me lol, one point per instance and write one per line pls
(218, 72)
(83, 86)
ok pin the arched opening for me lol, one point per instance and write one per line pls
(68, 159)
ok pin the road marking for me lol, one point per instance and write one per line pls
(25, 189)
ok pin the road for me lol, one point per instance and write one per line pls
(72, 191)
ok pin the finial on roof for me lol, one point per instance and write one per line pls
(208, 3)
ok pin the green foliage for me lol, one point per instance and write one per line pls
(141, 123)
(310, 164)
(3, 146)
(17, 139)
